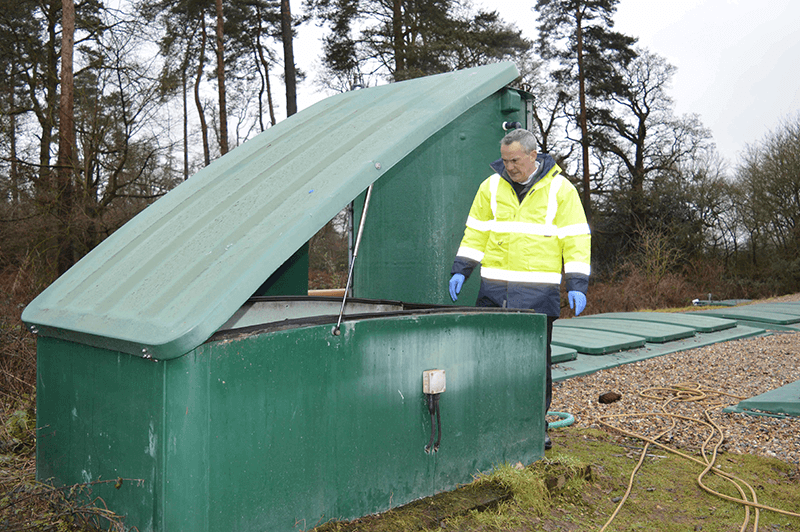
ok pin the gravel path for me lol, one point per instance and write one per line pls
(743, 368)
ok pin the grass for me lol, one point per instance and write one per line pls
(580, 483)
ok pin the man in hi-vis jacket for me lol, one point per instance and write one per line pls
(526, 224)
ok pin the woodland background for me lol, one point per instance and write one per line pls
(107, 105)
(104, 107)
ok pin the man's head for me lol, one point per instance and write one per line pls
(518, 151)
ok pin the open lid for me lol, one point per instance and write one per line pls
(169, 278)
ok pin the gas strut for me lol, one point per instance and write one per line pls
(336, 330)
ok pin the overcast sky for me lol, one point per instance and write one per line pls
(737, 60)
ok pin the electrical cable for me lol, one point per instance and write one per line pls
(431, 399)
(691, 392)
(438, 423)
(436, 427)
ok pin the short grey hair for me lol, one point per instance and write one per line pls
(525, 138)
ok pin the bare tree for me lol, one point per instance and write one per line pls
(636, 125)
(768, 196)
(263, 65)
(197, 100)
(550, 117)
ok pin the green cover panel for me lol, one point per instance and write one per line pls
(650, 331)
(562, 354)
(699, 323)
(753, 314)
(783, 400)
(593, 342)
(793, 309)
(588, 364)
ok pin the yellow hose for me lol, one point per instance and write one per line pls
(691, 392)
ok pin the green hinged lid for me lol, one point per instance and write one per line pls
(168, 279)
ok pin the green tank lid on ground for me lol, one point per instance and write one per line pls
(593, 342)
(586, 364)
(650, 331)
(783, 400)
(793, 309)
(751, 313)
(698, 323)
(560, 354)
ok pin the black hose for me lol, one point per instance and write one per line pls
(436, 428)
(438, 423)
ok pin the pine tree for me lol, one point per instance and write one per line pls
(403, 39)
(578, 35)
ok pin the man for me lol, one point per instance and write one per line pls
(526, 222)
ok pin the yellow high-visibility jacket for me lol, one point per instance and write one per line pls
(522, 246)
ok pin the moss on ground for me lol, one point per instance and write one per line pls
(580, 482)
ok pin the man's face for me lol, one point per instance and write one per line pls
(519, 165)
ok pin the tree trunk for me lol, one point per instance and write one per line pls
(46, 114)
(587, 206)
(66, 140)
(262, 88)
(13, 170)
(197, 102)
(265, 65)
(223, 112)
(184, 94)
(397, 31)
(184, 89)
(288, 58)
(638, 202)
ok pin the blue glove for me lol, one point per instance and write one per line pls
(577, 300)
(456, 282)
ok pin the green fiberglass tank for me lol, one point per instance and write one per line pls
(193, 402)
(269, 426)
